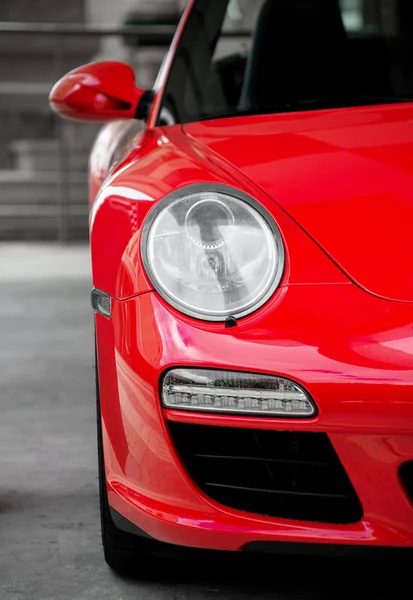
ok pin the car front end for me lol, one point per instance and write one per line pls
(224, 481)
(288, 421)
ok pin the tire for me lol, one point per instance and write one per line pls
(124, 552)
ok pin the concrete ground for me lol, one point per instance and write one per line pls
(49, 522)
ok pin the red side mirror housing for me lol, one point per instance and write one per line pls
(98, 92)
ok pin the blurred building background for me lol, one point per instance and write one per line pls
(43, 160)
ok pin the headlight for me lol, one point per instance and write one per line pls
(212, 252)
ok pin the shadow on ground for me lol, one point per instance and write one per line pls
(284, 577)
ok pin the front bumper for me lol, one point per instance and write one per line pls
(353, 353)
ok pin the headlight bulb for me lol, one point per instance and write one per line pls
(205, 222)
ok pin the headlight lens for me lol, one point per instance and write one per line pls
(212, 252)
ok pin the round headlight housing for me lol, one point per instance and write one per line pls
(212, 252)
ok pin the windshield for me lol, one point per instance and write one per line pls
(240, 57)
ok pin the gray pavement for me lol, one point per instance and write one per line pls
(49, 523)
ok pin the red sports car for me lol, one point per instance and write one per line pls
(252, 255)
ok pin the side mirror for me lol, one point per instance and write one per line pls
(99, 92)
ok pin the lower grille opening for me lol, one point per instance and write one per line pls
(406, 475)
(274, 473)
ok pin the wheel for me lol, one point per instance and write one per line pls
(124, 552)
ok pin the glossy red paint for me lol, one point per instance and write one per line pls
(346, 176)
(112, 144)
(165, 160)
(352, 350)
(97, 92)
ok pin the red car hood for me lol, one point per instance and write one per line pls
(346, 176)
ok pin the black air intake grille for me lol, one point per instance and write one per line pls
(274, 473)
(406, 475)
